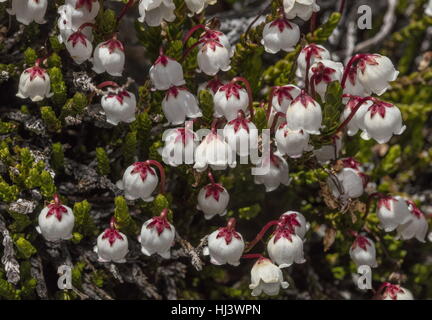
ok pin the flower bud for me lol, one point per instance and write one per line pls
(381, 121)
(157, 236)
(416, 225)
(356, 122)
(166, 73)
(154, 12)
(225, 245)
(178, 104)
(79, 47)
(280, 35)
(179, 147)
(56, 221)
(291, 142)
(313, 53)
(241, 135)
(109, 57)
(139, 181)
(300, 8)
(214, 151)
(276, 172)
(267, 277)
(229, 100)
(27, 11)
(375, 73)
(392, 212)
(283, 96)
(304, 113)
(213, 57)
(213, 200)
(119, 106)
(324, 72)
(112, 245)
(363, 252)
(34, 84)
(285, 248)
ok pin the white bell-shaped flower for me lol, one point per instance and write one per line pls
(329, 152)
(197, 6)
(280, 35)
(79, 47)
(212, 86)
(416, 225)
(215, 35)
(375, 72)
(56, 221)
(283, 96)
(214, 151)
(27, 11)
(112, 245)
(308, 56)
(180, 144)
(166, 73)
(300, 8)
(363, 252)
(350, 184)
(322, 73)
(119, 106)
(157, 236)
(81, 11)
(35, 84)
(394, 292)
(428, 10)
(67, 28)
(154, 12)
(242, 135)
(225, 246)
(213, 200)
(266, 277)
(213, 57)
(381, 121)
(139, 181)
(229, 100)
(304, 113)
(357, 121)
(285, 248)
(353, 85)
(291, 142)
(276, 172)
(109, 57)
(180, 104)
(392, 212)
(296, 221)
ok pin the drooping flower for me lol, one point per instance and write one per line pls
(304, 113)
(180, 144)
(225, 245)
(280, 35)
(154, 12)
(350, 183)
(112, 245)
(229, 100)
(390, 291)
(109, 57)
(157, 236)
(56, 221)
(213, 200)
(291, 142)
(180, 104)
(241, 134)
(392, 212)
(213, 57)
(357, 122)
(300, 8)
(27, 11)
(79, 47)
(283, 96)
(308, 56)
(285, 248)
(211, 86)
(416, 225)
(34, 83)
(119, 106)
(266, 277)
(78, 12)
(381, 121)
(322, 73)
(276, 172)
(295, 221)
(363, 252)
(166, 73)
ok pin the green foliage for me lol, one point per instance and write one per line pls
(103, 162)
(84, 223)
(57, 156)
(74, 106)
(25, 248)
(321, 34)
(30, 56)
(50, 119)
(123, 218)
(58, 86)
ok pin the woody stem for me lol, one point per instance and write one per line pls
(275, 120)
(125, 8)
(161, 172)
(261, 234)
(341, 6)
(107, 84)
(352, 114)
(270, 103)
(192, 31)
(348, 67)
(164, 213)
(249, 91)
(188, 50)
(210, 175)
